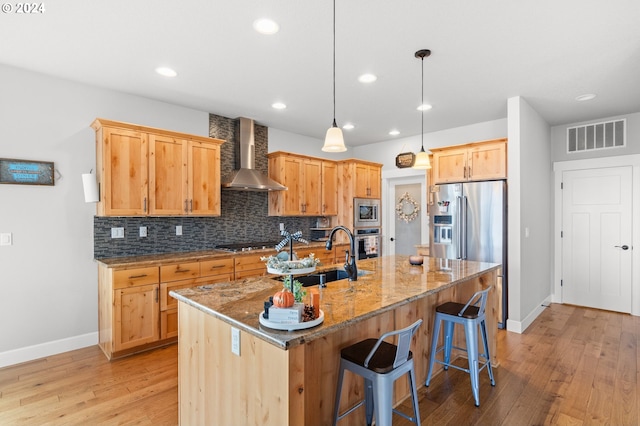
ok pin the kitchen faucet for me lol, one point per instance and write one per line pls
(350, 261)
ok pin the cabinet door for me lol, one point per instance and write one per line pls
(312, 189)
(124, 172)
(167, 175)
(326, 257)
(203, 179)
(293, 172)
(450, 165)
(488, 161)
(362, 180)
(136, 316)
(329, 188)
(375, 182)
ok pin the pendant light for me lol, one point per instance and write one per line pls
(334, 141)
(422, 158)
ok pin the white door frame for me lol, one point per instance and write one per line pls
(595, 163)
(402, 177)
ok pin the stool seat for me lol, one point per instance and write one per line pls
(380, 364)
(382, 360)
(472, 316)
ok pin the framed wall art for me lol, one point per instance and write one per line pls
(26, 172)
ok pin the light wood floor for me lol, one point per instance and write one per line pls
(573, 366)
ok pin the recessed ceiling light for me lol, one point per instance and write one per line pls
(266, 26)
(166, 72)
(394, 132)
(424, 107)
(348, 126)
(278, 105)
(367, 78)
(585, 97)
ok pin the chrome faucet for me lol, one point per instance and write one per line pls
(350, 259)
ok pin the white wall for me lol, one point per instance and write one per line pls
(48, 279)
(530, 198)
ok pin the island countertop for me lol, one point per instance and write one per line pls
(385, 284)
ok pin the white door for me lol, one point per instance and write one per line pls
(596, 238)
(399, 236)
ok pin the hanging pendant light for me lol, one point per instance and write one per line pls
(422, 158)
(334, 141)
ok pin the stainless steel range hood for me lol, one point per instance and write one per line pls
(246, 177)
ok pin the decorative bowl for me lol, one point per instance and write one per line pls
(416, 260)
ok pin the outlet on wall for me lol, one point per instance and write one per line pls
(235, 341)
(117, 232)
(143, 231)
(179, 230)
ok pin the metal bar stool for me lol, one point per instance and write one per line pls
(472, 316)
(380, 364)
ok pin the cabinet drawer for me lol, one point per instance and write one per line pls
(179, 271)
(247, 262)
(168, 302)
(216, 267)
(123, 278)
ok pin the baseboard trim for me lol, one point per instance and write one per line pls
(29, 353)
(520, 326)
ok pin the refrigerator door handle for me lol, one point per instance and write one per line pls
(458, 227)
(463, 227)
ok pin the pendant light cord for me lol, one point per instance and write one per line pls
(422, 109)
(334, 64)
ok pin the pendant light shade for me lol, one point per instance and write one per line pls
(422, 158)
(334, 141)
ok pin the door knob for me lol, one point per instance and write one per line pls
(624, 247)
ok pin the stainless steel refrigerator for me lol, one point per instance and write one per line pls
(469, 221)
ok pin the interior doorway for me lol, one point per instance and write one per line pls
(400, 236)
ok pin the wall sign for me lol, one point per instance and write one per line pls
(26, 172)
(405, 159)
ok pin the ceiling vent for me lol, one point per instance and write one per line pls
(604, 135)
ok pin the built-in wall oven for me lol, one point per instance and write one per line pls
(368, 242)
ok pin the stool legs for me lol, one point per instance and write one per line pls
(471, 335)
(434, 347)
(485, 341)
(369, 403)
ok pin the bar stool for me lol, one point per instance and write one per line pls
(472, 316)
(380, 364)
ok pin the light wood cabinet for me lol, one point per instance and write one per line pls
(129, 303)
(326, 257)
(329, 188)
(472, 162)
(368, 180)
(311, 184)
(251, 265)
(148, 171)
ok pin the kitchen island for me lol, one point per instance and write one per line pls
(289, 377)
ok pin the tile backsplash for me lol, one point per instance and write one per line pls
(244, 215)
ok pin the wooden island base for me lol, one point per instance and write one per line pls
(268, 385)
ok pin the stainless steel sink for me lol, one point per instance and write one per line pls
(330, 275)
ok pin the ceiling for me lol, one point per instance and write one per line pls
(483, 52)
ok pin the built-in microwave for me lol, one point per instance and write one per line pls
(366, 212)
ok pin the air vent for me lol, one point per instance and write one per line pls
(608, 134)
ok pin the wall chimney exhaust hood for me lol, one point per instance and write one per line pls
(245, 177)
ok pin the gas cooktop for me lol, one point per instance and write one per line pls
(235, 247)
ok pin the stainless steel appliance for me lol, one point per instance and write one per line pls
(366, 213)
(368, 243)
(469, 221)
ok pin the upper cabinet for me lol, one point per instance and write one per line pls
(311, 184)
(356, 179)
(367, 179)
(476, 161)
(147, 171)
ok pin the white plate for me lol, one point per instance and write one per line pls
(293, 271)
(291, 327)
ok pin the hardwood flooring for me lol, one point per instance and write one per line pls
(573, 366)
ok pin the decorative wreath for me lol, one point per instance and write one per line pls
(406, 200)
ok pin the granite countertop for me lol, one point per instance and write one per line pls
(388, 282)
(188, 256)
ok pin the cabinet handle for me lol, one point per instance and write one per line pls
(186, 208)
(181, 271)
(191, 205)
(217, 266)
(137, 276)
(157, 294)
(145, 204)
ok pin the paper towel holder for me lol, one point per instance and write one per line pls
(90, 186)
